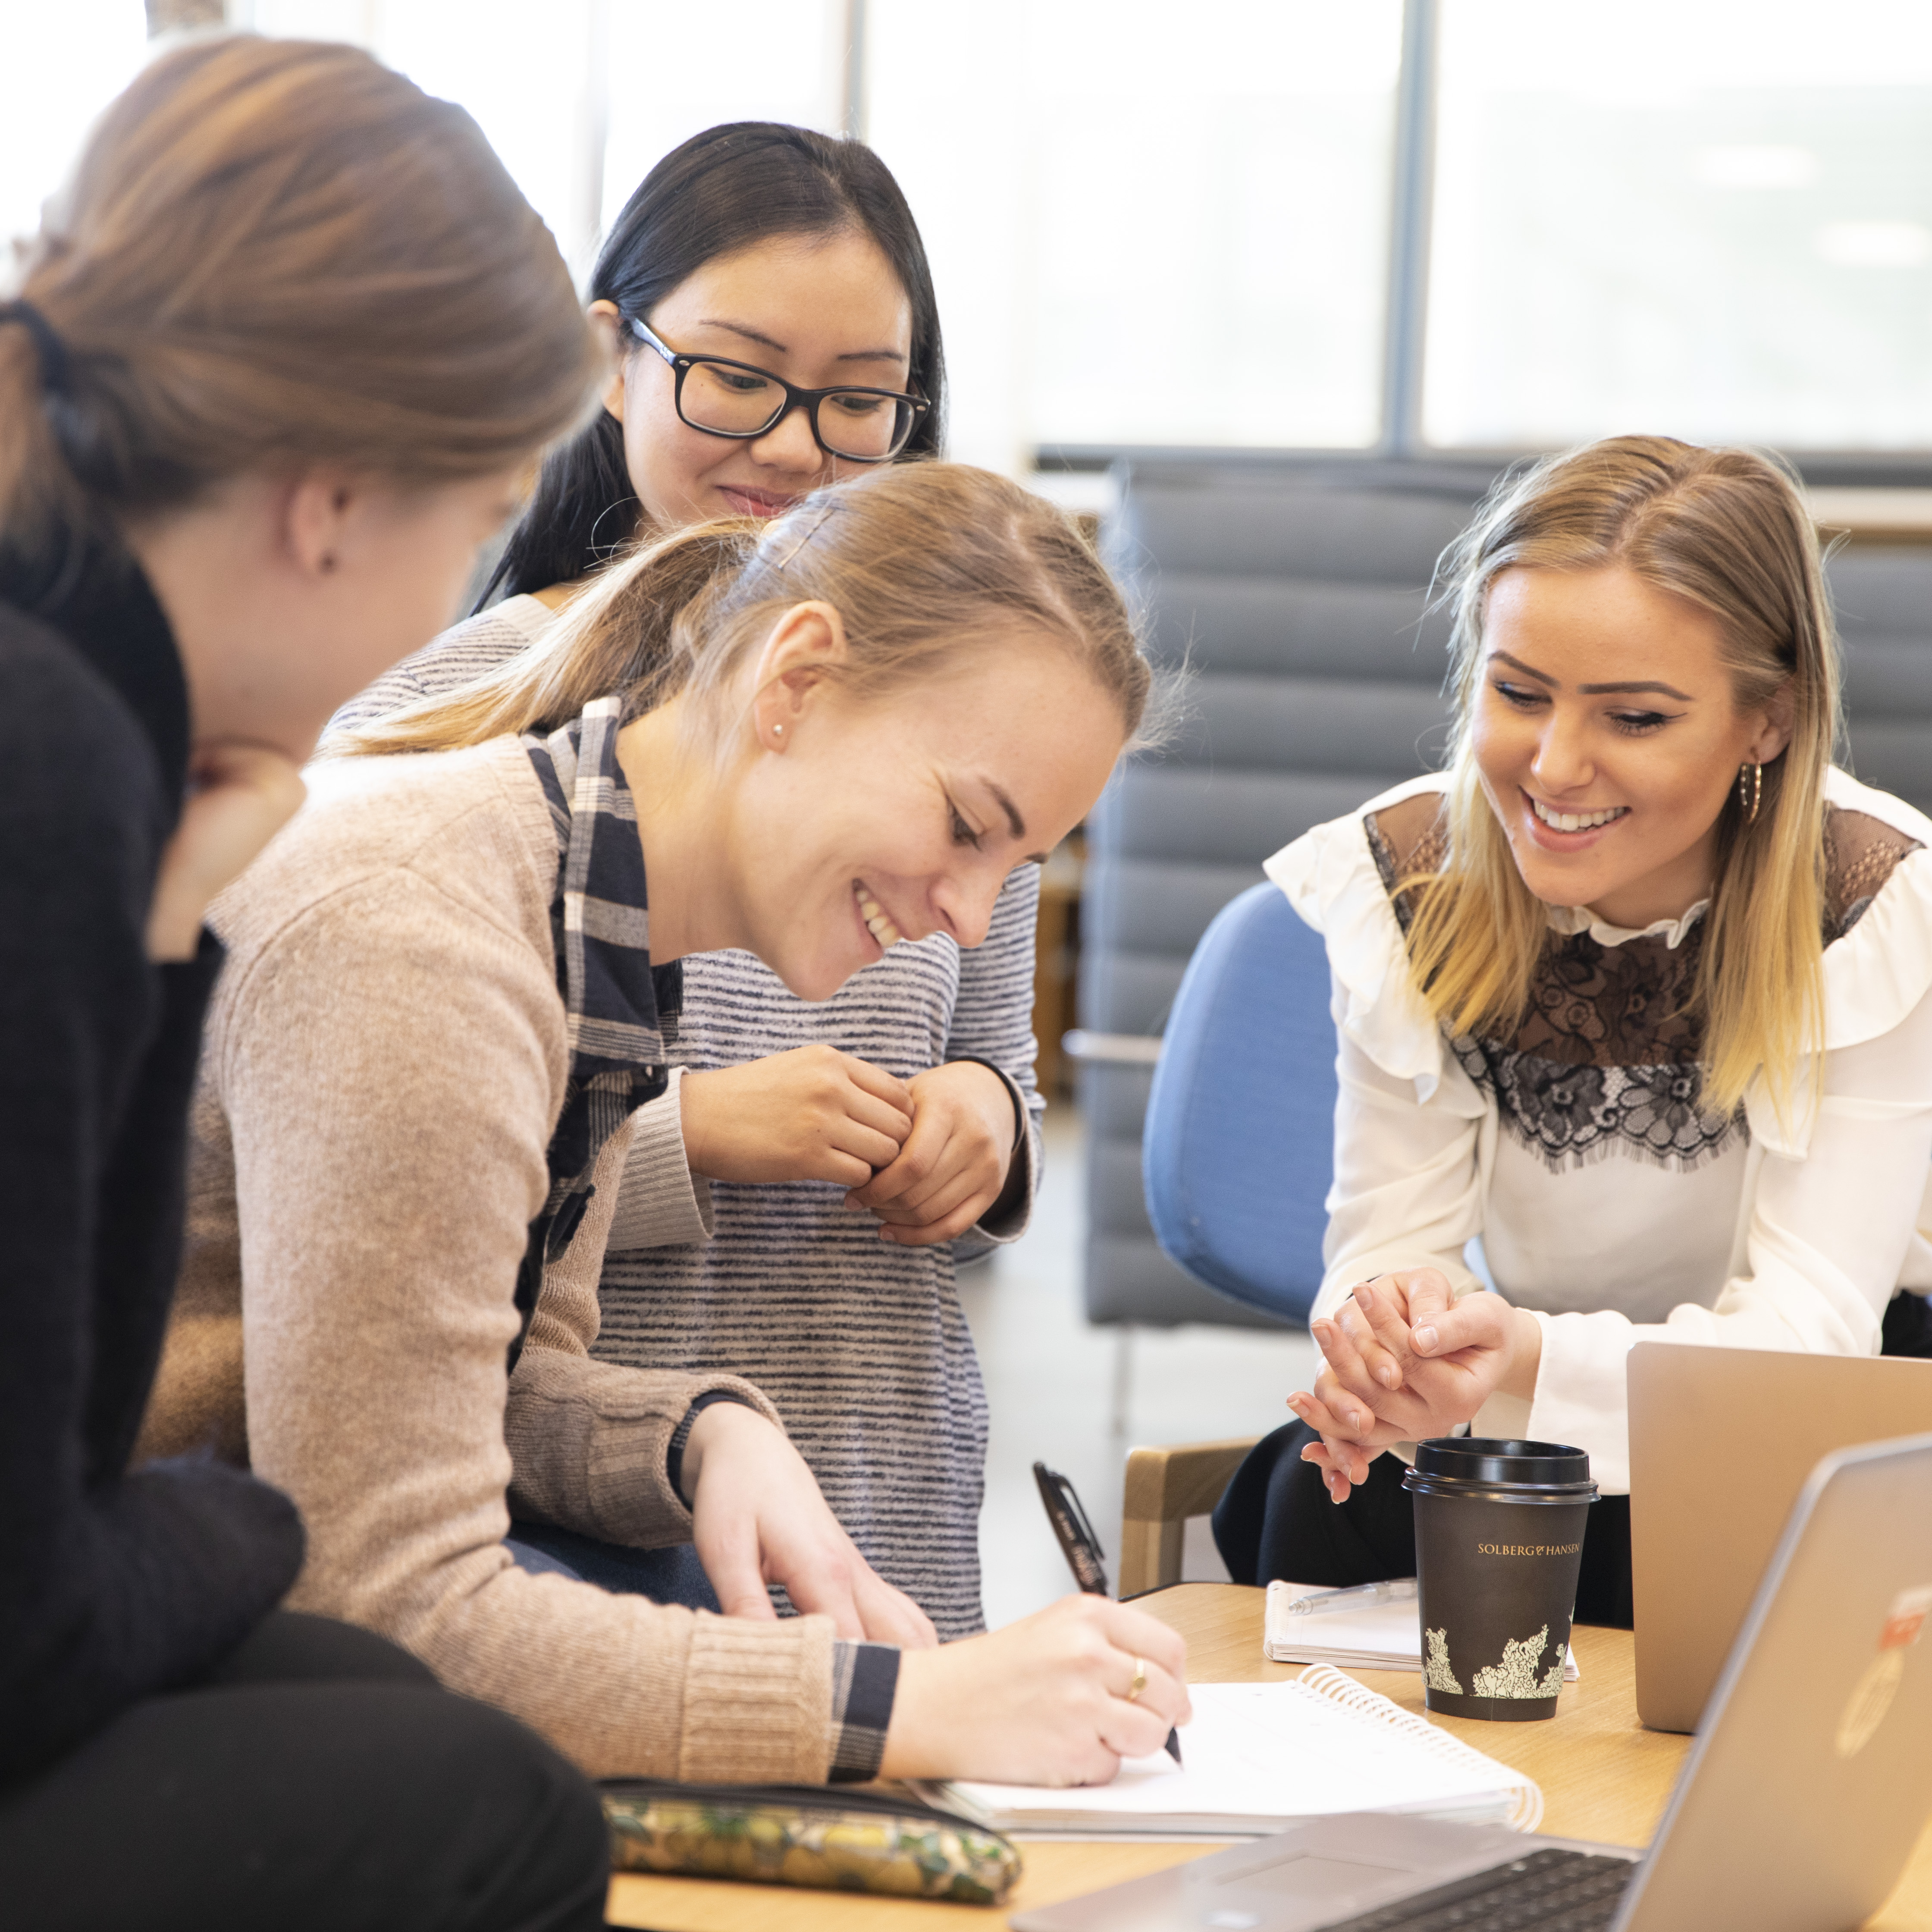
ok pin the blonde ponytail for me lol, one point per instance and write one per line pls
(926, 562)
(618, 634)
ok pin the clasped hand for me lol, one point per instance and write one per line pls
(1403, 1360)
(955, 1163)
(927, 1156)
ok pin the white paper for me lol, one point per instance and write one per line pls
(1383, 1637)
(1264, 1753)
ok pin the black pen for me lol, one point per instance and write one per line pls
(1081, 1547)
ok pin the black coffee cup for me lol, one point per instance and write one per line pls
(1499, 1542)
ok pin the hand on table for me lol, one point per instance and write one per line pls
(757, 1517)
(814, 1113)
(239, 797)
(1043, 1701)
(954, 1165)
(1403, 1360)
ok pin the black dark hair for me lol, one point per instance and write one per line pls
(721, 191)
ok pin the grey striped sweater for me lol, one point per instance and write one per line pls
(862, 1345)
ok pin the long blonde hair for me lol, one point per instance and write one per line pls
(279, 252)
(924, 563)
(1727, 530)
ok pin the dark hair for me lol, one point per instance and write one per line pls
(726, 189)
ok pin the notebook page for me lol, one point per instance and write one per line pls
(1390, 1630)
(1265, 1751)
(1382, 1637)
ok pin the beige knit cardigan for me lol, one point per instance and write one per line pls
(385, 1061)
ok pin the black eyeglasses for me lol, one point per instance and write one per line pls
(733, 399)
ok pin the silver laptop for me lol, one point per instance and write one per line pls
(1694, 1570)
(1797, 1810)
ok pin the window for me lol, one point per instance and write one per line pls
(1148, 224)
(54, 90)
(674, 71)
(1712, 220)
(1210, 221)
(1162, 226)
(581, 97)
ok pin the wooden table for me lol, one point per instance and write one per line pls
(1602, 1775)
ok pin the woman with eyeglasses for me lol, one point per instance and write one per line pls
(797, 1204)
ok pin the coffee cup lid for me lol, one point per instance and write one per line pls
(1489, 1459)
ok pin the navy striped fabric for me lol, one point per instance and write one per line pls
(601, 923)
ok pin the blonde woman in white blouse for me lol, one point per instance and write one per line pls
(1634, 993)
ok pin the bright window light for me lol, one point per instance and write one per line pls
(1710, 220)
(672, 72)
(528, 80)
(54, 92)
(1148, 225)
(582, 97)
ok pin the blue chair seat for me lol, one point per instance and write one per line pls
(1239, 1146)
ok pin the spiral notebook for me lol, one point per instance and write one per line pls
(1260, 1757)
(1384, 1636)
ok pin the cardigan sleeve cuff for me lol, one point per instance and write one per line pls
(661, 1203)
(757, 1699)
(680, 1436)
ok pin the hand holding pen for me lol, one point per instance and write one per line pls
(1085, 1558)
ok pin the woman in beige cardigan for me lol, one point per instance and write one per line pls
(816, 736)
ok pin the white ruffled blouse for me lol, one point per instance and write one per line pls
(1755, 1233)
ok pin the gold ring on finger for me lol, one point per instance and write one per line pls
(1139, 1683)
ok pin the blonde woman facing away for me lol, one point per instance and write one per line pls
(815, 1169)
(425, 1066)
(1635, 992)
(276, 360)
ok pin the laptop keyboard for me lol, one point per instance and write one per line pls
(1550, 1890)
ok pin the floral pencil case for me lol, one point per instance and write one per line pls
(841, 1840)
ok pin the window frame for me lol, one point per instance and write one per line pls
(1404, 327)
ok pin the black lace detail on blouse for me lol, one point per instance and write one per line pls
(1860, 852)
(1606, 1059)
(1571, 1115)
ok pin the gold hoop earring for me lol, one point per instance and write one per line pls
(1751, 791)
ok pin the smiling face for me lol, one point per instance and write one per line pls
(897, 817)
(1607, 735)
(816, 310)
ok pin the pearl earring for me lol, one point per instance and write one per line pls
(778, 730)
